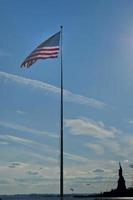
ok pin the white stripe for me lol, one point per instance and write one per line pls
(53, 47)
(44, 51)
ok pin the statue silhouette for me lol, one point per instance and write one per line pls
(121, 181)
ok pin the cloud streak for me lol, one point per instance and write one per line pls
(97, 148)
(26, 129)
(75, 157)
(107, 139)
(89, 127)
(35, 149)
(20, 112)
(45, 87)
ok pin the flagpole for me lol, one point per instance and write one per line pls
(61, 128)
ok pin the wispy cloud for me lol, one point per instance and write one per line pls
(20, 140)
(108, 139)
(20, 112)
(75, 157)
(5, 182)
(32, 173)
(3, 143)
(108, 145)
(14, 165)
(68, 96)
(97, 171)
(130, 121)
(36, 150)
(6, 138)
(89, 127)
(34, 146)
(97, 148)
(114, 146)
(26, 129)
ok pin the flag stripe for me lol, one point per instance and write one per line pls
(43, 53)
(48, 49)
(40, 55)
(33, 60)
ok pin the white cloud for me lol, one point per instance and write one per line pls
(43, 157)
(130, 121)
(98, 170)
(89, 127)
(23, 170)
(114, 146)
(108, 145)
(11, 138)
(3, 143)
(26, 129)
(68, 96)
(97, 148)
(6, 138)
(20, 112)
(110, 140)
(128, 140)
(43, 149)
(36, 150)
(75, 157)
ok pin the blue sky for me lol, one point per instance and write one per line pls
(98, 95)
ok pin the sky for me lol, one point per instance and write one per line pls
(98, 96)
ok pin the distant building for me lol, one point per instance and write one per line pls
(121, 181)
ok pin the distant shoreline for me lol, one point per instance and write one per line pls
(104, 195)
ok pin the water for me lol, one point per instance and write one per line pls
(65, 198)
(95, 198)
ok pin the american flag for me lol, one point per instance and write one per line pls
(47, 49)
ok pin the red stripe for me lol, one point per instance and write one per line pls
(47, 50)
(44, 55)
(44, 49)
(34, 60)
(47, 57)
(40, 53)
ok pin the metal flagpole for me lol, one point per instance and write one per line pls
(61, 128)
(41, 50)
